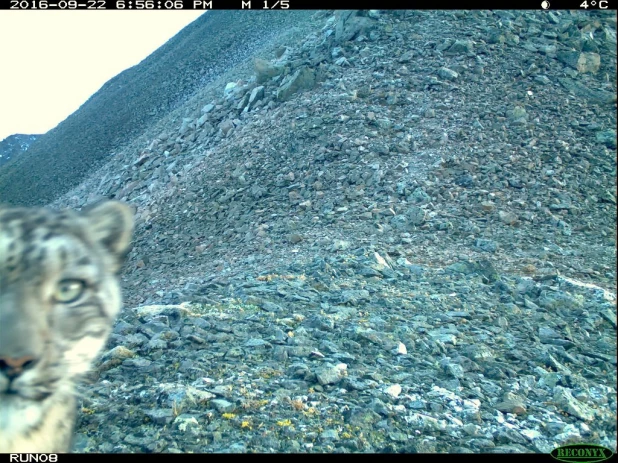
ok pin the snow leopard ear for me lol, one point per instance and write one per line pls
(111, 224)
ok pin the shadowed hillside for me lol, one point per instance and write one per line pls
(135, 98)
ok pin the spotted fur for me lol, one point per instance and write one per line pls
(59, 295)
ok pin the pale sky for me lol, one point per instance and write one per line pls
(53, 61)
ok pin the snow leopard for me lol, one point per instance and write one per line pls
(59, 296)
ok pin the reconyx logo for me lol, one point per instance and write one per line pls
(581, 453)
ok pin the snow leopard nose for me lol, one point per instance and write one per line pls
(13, 367)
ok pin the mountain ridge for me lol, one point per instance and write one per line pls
(15, 144)
(135, 98)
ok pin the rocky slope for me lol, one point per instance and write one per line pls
(136, 98)
(394, 232)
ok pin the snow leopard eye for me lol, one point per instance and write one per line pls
(68, 291)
